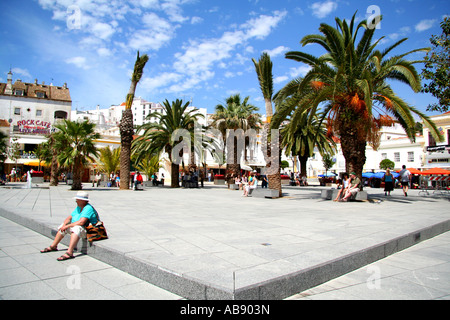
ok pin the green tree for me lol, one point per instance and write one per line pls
(75, 144)
(349, 85)
(234, 115)
(301, 136)
(437, 69)
(263, 69)
(386, 164)
(160, 136)
(126, 123)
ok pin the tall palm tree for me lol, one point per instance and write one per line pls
(126, 123)
(349, 83)
(75, 142)
(234, 115)
(301, 137)
(263, 69)
(160, 136)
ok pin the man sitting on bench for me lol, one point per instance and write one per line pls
(353, 188)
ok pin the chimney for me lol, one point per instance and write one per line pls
(8, 88)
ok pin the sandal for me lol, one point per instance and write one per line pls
(65, 256)
(49, 249)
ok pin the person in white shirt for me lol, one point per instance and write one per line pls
(405, 178)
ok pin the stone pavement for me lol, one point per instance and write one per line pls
(212, 243)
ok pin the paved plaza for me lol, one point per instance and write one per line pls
(212, 243)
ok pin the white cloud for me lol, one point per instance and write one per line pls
(21, 72)
(102, 30)
(425, 25)
(300, 71)
(200, 57)
(277, 51)
(79, 62)
(261, 27)
(157, 33)
(322, 9)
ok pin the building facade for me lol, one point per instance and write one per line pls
(28, 112)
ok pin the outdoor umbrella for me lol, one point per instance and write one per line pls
(368, 175)
(414, 171)
(436, 171)
(378, 175)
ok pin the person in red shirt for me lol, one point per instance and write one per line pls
(137, 180)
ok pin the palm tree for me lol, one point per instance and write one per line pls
(75, 142)
(126, 123)
(301, 137)
(264, 71)
(234, 115)
(149, 164)
(350, 83)
(160, 136)
(109, 160)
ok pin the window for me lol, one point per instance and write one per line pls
(18, 92)
(397, 156)
(17, 111)
(383, 156)
(40, 94)
(431, 141)
(411, 156)
(38, 113)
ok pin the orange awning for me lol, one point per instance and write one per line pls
(436, 171)
(414, 171)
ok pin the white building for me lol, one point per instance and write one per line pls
(437, 154)
(31, 110)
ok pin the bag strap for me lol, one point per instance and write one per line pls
(96, 213)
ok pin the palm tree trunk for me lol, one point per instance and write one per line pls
(303, 161)
(126, 137)
(354, 151)
(77, 175)
(54, 165)
(175, 172)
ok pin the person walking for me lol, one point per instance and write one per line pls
(405, 178)
(388, 182)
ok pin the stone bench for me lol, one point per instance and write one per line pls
(264, 193)
(331, 194)
(234, 186)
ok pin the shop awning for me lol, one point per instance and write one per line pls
(436, 171)
(35, 163)
(30, 141)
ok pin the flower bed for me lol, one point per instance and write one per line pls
(219, 179)
(37, 174)
(285, 179)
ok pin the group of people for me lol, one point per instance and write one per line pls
(246, 183)
(389, 181)
(349, 186)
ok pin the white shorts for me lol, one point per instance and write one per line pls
(80, 231)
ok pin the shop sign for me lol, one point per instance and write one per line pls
(34, 126)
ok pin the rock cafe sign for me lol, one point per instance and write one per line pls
(34, 126)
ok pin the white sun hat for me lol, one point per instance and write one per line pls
(82, 195)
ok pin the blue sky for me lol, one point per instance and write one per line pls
(199, 50)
